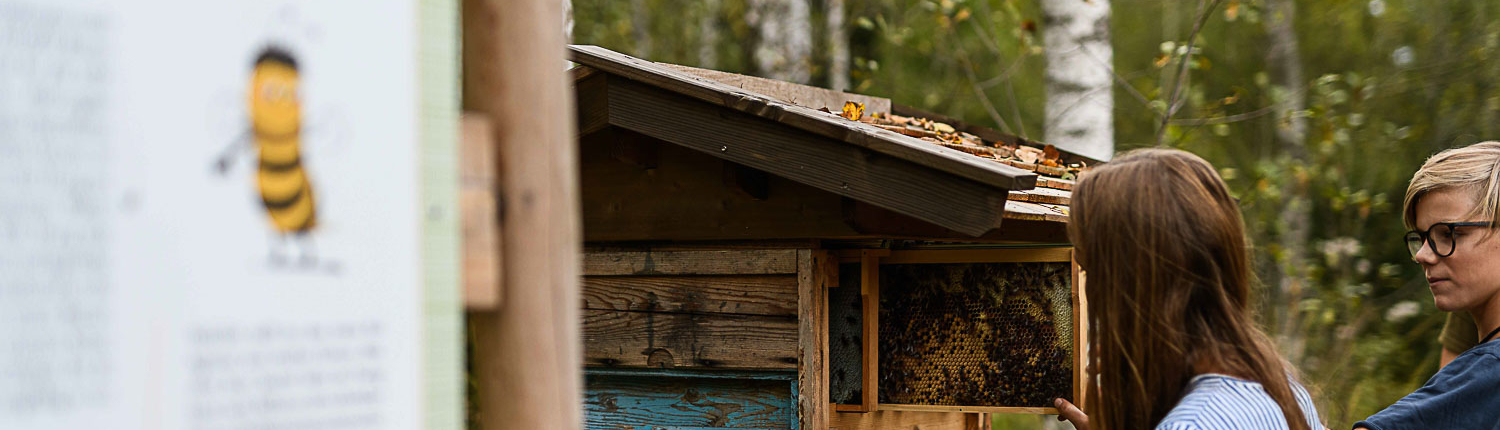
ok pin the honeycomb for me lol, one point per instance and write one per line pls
(845, 336)
(977, 334)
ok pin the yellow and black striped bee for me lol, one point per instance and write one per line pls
(275, 115)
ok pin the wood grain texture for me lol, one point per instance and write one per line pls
(903, 420)
(593, 110)
(1081, 386)
(787, 92)
(726, 262)
(935, 196)
(479, 220)
(527, 352)
(671, 340)
(624, 202)
(630, 402)
(1043, 195)
(770, 295)
(1020, 255)
(813, 278)
(869, 290)
(969, 409)
(803, 118)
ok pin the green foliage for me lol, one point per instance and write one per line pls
(1388, 82)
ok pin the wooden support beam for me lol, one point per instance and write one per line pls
(814, 274)
(528, 351)
(481, 223)
(870, 297)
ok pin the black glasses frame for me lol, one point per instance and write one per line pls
(1426, 237)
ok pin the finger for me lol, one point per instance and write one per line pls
(1066, 410)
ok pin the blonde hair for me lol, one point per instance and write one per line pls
(1474, 168)
(1166, 244)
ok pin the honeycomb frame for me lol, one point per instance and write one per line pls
(875, 385)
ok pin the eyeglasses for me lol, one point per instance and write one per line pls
(1440, 237)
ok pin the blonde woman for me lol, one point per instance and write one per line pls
(1175, 344)
(1451, 206)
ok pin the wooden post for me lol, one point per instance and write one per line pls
(477, 206)
(528, 351)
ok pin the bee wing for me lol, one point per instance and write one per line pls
(326, 132)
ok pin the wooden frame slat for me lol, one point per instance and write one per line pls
(871, 259)
(969, 409)
(813, 277)
(870, 304)
(721, 262)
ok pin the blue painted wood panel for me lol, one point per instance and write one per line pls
(652, 399)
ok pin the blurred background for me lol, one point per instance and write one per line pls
(1316, 113)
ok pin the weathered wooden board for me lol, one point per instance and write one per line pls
(817, 270)
(1043, 195)
(935, 196)
(478, 193)
(893, 420)
(803, 118)
(622, 201)
(654, 400)
(773, 295)
(797, 94)
(678, 340)
(725, 262)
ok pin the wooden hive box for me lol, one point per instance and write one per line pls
(720, 219)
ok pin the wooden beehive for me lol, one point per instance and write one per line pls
(736, 244)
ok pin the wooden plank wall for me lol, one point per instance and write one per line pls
(691, 309)
(685, 333)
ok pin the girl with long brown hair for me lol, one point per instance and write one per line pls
(1174, 343)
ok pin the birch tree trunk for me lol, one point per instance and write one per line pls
(640, 23)
(567, 21)
(838, 46)
(708, 35)
(1079, 77)
(784, 51)
(1290, 94)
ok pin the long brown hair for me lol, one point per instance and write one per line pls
(1168, 288)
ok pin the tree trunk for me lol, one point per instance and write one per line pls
(708, 35)
(784, 51)
(1079, 79)
(1295, 220)
(838, 46)
(567, 21)
(640, 23)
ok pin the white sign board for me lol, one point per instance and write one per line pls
(212, 215)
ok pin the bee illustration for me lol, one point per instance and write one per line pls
(275, 133)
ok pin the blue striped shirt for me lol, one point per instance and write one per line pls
(1217, 401)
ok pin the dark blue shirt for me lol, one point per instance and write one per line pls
(1465, 394)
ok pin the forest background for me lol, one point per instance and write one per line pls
(1316, 112)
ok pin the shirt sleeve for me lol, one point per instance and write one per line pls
(1459, 396)
(1459, 332)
